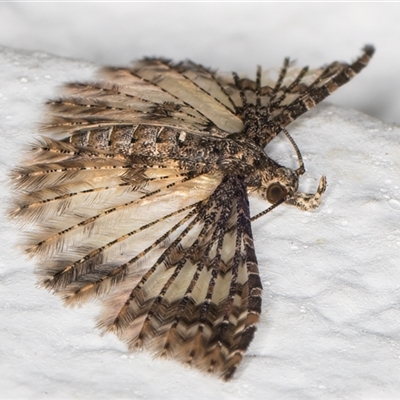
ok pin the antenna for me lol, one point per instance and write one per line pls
(301, 169)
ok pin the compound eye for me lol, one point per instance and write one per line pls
(275, 192)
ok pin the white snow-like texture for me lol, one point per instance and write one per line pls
(330, 327)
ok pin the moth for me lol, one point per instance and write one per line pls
(137, 195)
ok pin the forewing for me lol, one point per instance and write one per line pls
(200, 300)
(282, 97)
(304, 96)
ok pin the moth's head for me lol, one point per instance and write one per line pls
(283, 185)
(282, 188)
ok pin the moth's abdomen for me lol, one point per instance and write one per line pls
(143, 140)
(190, 151)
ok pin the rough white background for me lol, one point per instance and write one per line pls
(331, 322)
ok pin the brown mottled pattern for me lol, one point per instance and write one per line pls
(138, 196)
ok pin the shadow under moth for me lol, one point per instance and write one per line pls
(137, 195)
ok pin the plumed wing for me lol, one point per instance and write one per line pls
(169, 252)
(307, 95)
(89, 210)
(188, 97)
(284, 97)
(200, 300)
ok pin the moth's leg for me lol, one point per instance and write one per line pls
(309, 201)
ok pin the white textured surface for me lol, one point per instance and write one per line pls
(330, 326)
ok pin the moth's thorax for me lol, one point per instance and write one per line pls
(257, 125)
(260, 172)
